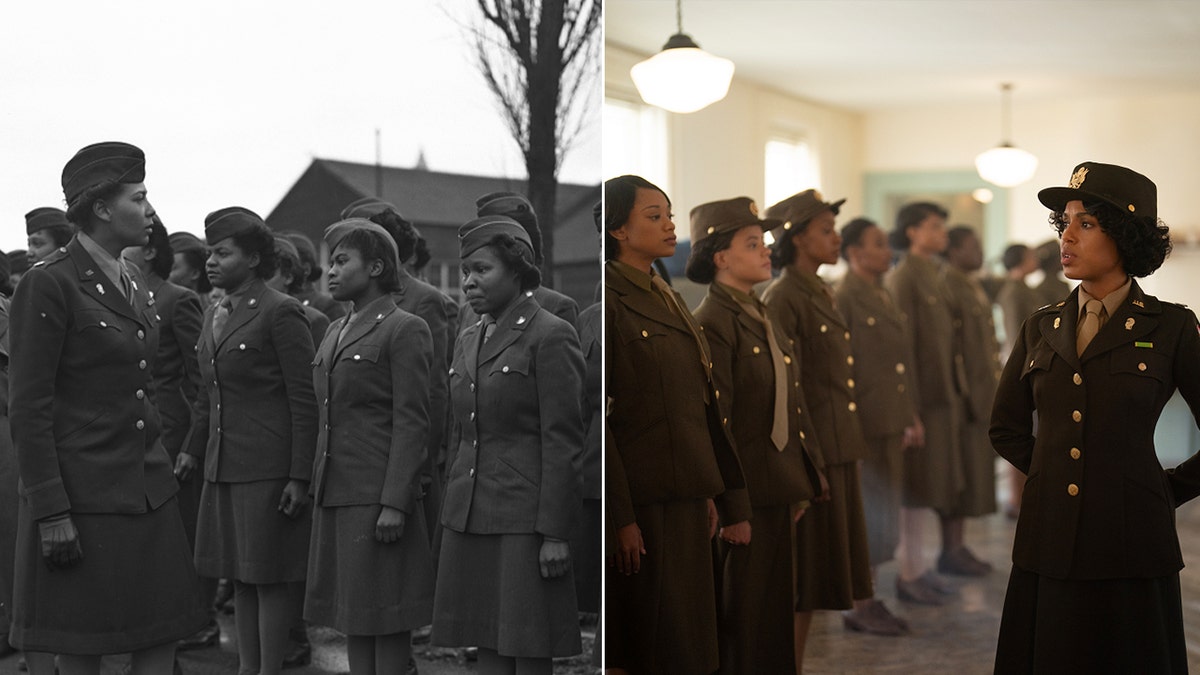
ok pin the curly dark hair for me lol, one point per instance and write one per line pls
(259, 239)
(309, 260)
(79, 211)
(164, 257)
(289, 264)
(517, 257)
(700, 266)
(619, 195)
(402, 231)
(852, 234)
(195, 259)
(1142, 243)
(59, 234)
(912, 215)
(421, 254)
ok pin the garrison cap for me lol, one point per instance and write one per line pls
(727, 215)
(185, 241)
(18, 261)
(801, 207)
(335, 233)
(45, 217)
(477, 233)
(367, 207)
(102, 162)
(230, 221)
(1124, 188)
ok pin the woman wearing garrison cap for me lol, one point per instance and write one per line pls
(1095, 577)
(668, 455)
(371, 572)
(759, 379)
(254, 431)
(504, 579)
(102, 561)
(187, 265)
(48, 230)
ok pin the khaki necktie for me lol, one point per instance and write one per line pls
(220, 317)
(779, 426)
(668, 296)
(1090, 325)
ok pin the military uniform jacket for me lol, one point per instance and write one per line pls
(744, 373)
(589, 330)
(518, 426)
(882, 357)
(373, 395)
(918, 288)
(318, 323)
(176, 373)
(439, 314)
(562, 306)
(255, 418)
(84, 425)
(797, 304)
(1017, 301)
(976, 350)
(1097, 504)
(663, 418)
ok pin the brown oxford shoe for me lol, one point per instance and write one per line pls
(209, 636)
(885, 614)
(868, 621)
(917, 592)
(960, 562)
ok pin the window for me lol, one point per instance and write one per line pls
(635, 141)
(791, 166)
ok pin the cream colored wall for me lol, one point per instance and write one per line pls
(718, 152)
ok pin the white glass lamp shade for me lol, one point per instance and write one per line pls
(1006, 166)
(682, 79)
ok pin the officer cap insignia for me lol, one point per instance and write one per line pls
(520, 320)
(1129, 323)
(1078, 177)
(100, 288)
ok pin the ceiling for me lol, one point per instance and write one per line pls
(874, 54)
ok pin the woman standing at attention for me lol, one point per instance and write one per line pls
(1096, 559)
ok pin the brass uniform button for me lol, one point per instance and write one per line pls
(824, 328)
(787, 359)
(801, 435)
(899, 368)
(1073, 489)
(849, 360)
(1075, 453)
(645, 334)
(1077, 416)
(853, 406)
(1142, 367)
(870, 321)
(1077, 379)
(757, 350)
(900, 388)
(846, 335)
(850, 383)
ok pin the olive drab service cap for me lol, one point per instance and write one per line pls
(1124, 188)
(727, 215)
(477, 233)
(102, 162)
(801, 207)
(45, 217)
(230, 221)
(368, 207)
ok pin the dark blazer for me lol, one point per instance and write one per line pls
(799, 307)
(744, 373)
(976, 350)
(519, 427)
(662, 410)
(882, 358)
(318, 323)
(176, 373)
(373, 393)
(322, 302)
(562, 306)
(1017, 301)
(84, 426)
(1097, 503)
(919, 289)
(590, 330)
(256, 417)
(439, 314)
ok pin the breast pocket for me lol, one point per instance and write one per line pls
(98, 320)
(359, 354)
(510, 365)
(1141, 363)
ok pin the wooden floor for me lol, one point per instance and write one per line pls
(960, 638)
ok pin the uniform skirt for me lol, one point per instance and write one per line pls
(979, 471)
(491, 594)
(756, 599)
(242, 535)
(360, 586)
(663, 620)
(933, 475)
(586, 557)
(832, 561)
(1099, 626)
(882, 480)
(135, 587)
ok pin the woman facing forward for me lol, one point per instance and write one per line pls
(1096, 560)
(370, 568)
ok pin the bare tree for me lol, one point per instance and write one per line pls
(540, 58)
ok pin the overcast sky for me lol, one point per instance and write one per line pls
(232, 100)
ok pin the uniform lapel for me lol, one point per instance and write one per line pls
(647, 304)
(95, 283)
(367, 320)
(469, 338)
(246, 310)
(1058, 329)
(1136, 318)
(723, 298)
(509, 328)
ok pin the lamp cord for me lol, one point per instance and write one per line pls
(679, 16)
(1006, 113)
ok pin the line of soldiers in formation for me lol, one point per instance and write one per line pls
(809, 429)
(175, 404)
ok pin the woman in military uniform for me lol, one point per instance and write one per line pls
(370, 571)
(504, 579)
(834, 569)
(254, 431)
(102, 560)
(752, 365)
(48, 230)
(1095, 578)
(667, 452)
(883, 388)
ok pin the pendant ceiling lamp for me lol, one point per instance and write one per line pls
(682, 77)
(1006, 165)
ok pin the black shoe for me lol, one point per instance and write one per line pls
(209, 636)
(299, 655)
(224, 600)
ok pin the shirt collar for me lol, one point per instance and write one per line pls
(739, 296)
(107, 264)
(633, 274)
(1112, 302)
